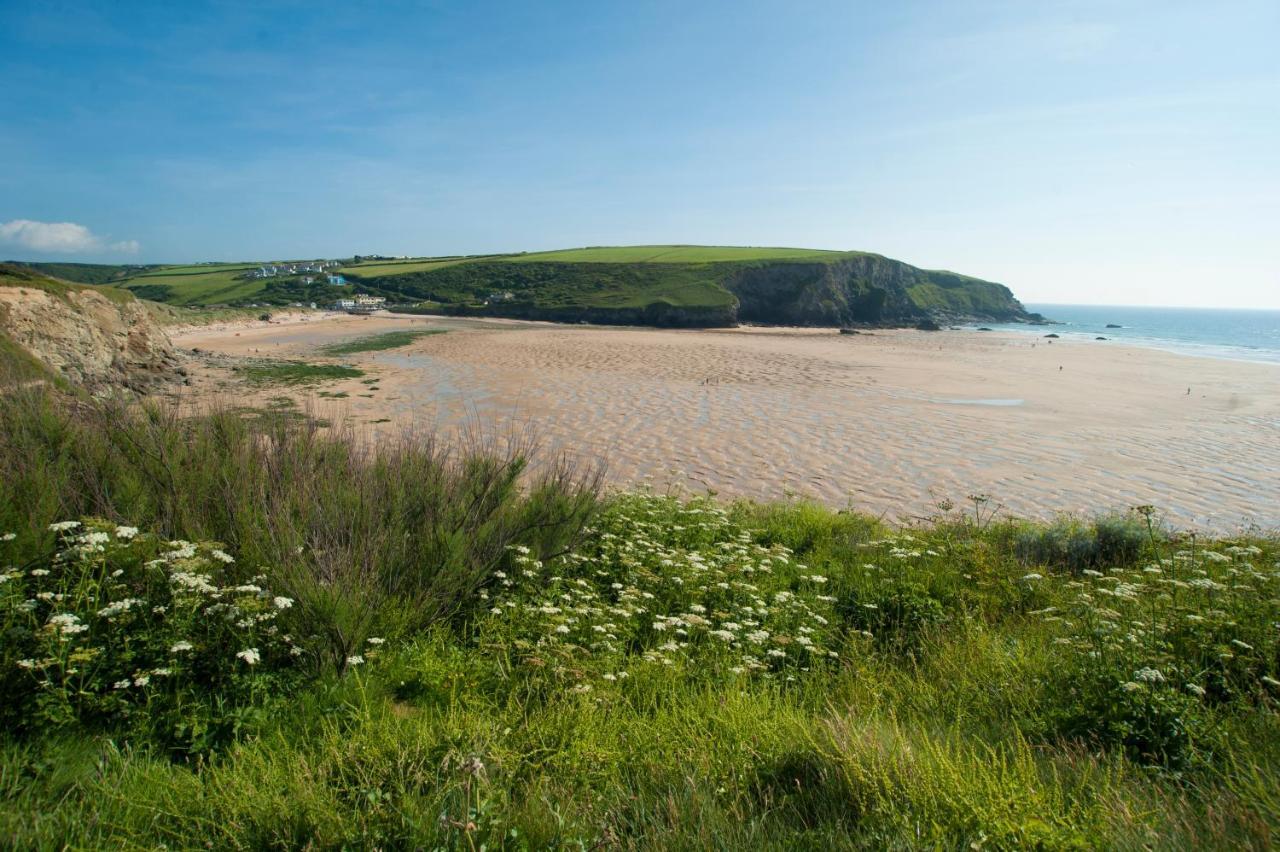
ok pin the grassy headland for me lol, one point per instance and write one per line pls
(266, 635)
(646, 285)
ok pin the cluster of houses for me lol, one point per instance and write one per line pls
(272, 270)
(360, 303)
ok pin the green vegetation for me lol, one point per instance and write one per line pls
(24, 278)
(197, 285)
(379, 342)
(673, 254)
(399, 267)
(265, 372)
(311, 641)
(675, 285)
(86, 273)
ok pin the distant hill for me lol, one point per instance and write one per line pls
(674, 285)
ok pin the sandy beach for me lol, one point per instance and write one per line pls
(891, 422)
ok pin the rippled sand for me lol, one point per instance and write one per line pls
(891, 423)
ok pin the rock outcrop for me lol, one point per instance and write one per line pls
(101, 339)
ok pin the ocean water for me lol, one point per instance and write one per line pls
(1209, 332)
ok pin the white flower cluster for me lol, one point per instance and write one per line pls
(667, 584)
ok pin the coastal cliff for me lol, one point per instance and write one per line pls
(843, 289)
(96, 337)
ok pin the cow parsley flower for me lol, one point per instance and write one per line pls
(222, 556)
(249, 655)
(63, 526)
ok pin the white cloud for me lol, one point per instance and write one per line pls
(60, 237)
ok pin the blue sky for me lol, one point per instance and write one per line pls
(1111, 152)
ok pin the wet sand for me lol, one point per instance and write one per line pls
(892, 422)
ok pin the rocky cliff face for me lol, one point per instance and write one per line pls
(866, 290)
(101, 343)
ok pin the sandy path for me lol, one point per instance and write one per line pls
(891, 422)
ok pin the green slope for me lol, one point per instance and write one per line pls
(672, 254)
(650, 285)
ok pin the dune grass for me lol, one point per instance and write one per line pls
(488, 665)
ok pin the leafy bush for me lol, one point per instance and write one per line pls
(1148, 649)
(661, 583)
(121, 629)
(1112, 540)
(898, 615)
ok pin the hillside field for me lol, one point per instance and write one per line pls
(660, 285)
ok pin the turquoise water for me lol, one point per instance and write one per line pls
(1215, 333)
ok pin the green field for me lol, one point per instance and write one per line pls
(672, 254)
(197, 285)
(399, 267)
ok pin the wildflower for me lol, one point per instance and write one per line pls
(1195, 689)
(222, 556)
(1130, 686)
(282, 602)
(562, 628)
(179, 647)
(141, 680)
(95, 538)
(126, 533)
(67, 624)
(609, 676)
(8, 536)
(375, 640)
(249, 655)
(63, 526)
(27, 664)
(724, 635)
(1149, 675)
(1029, 578)
(122, 684)
(39, 572)
(355, 660)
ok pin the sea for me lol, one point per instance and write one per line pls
(1238, 335)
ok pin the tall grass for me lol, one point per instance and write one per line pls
(382, 537)
(563, 669)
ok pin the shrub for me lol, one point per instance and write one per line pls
(661, 583)
(120, 629)
(1112, 540)
(898, 615)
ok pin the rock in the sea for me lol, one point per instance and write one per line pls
(1099, 338)
(1051, 335)
(1113, 325)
